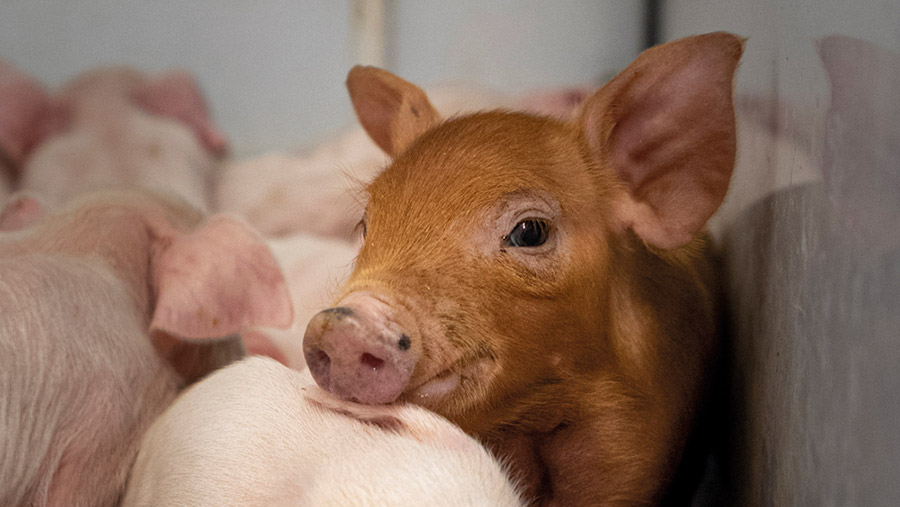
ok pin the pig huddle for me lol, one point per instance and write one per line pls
(531, 317)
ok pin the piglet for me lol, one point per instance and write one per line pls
(110, 307)
(23, 106)
(118, 127)
(546, 285)
(259, 434)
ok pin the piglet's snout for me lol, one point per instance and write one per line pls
(355, 358)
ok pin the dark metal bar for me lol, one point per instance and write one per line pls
(652, 22)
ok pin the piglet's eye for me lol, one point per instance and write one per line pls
(530, 232)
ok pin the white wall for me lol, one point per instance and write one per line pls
(273, 70)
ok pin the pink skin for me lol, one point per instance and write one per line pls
(313, 266)
(104, 324)
(561, 103)
(177, 95)
(117, 127)
(356, 350)
(257, 433)
(283, 194)
(5, 185)
(20, 211)
(23, 105)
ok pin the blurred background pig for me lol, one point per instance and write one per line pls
(116, 126)
(109, 308)
(259, 434)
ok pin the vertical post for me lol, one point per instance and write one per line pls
(652, 26)
(367, 30)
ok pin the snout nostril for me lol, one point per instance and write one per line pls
(322, 359)
(371, 361)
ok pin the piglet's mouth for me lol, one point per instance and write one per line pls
(437, 388)
(445, 383)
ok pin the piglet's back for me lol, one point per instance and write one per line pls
(258, 433)
(64, 403)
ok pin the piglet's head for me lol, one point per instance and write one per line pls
(101, 94)
(177, 95)
(491, 238)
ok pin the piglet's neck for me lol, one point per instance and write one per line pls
(671, 287)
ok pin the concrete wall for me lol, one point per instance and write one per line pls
(811, 237)
(274, 70)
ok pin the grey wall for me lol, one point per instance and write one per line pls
(274, 70)
(811, 237)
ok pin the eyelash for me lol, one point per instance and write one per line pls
(529, 232)
(360, 228)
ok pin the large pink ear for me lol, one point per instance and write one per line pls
(213, 284)
(23, 102)
(177, 95)
(666, 126)
(394, 112)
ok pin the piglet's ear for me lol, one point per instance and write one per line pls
(177, 95)
(666, 126)
(394, 112)
(212, 284)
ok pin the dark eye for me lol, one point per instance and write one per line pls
(530, 232)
